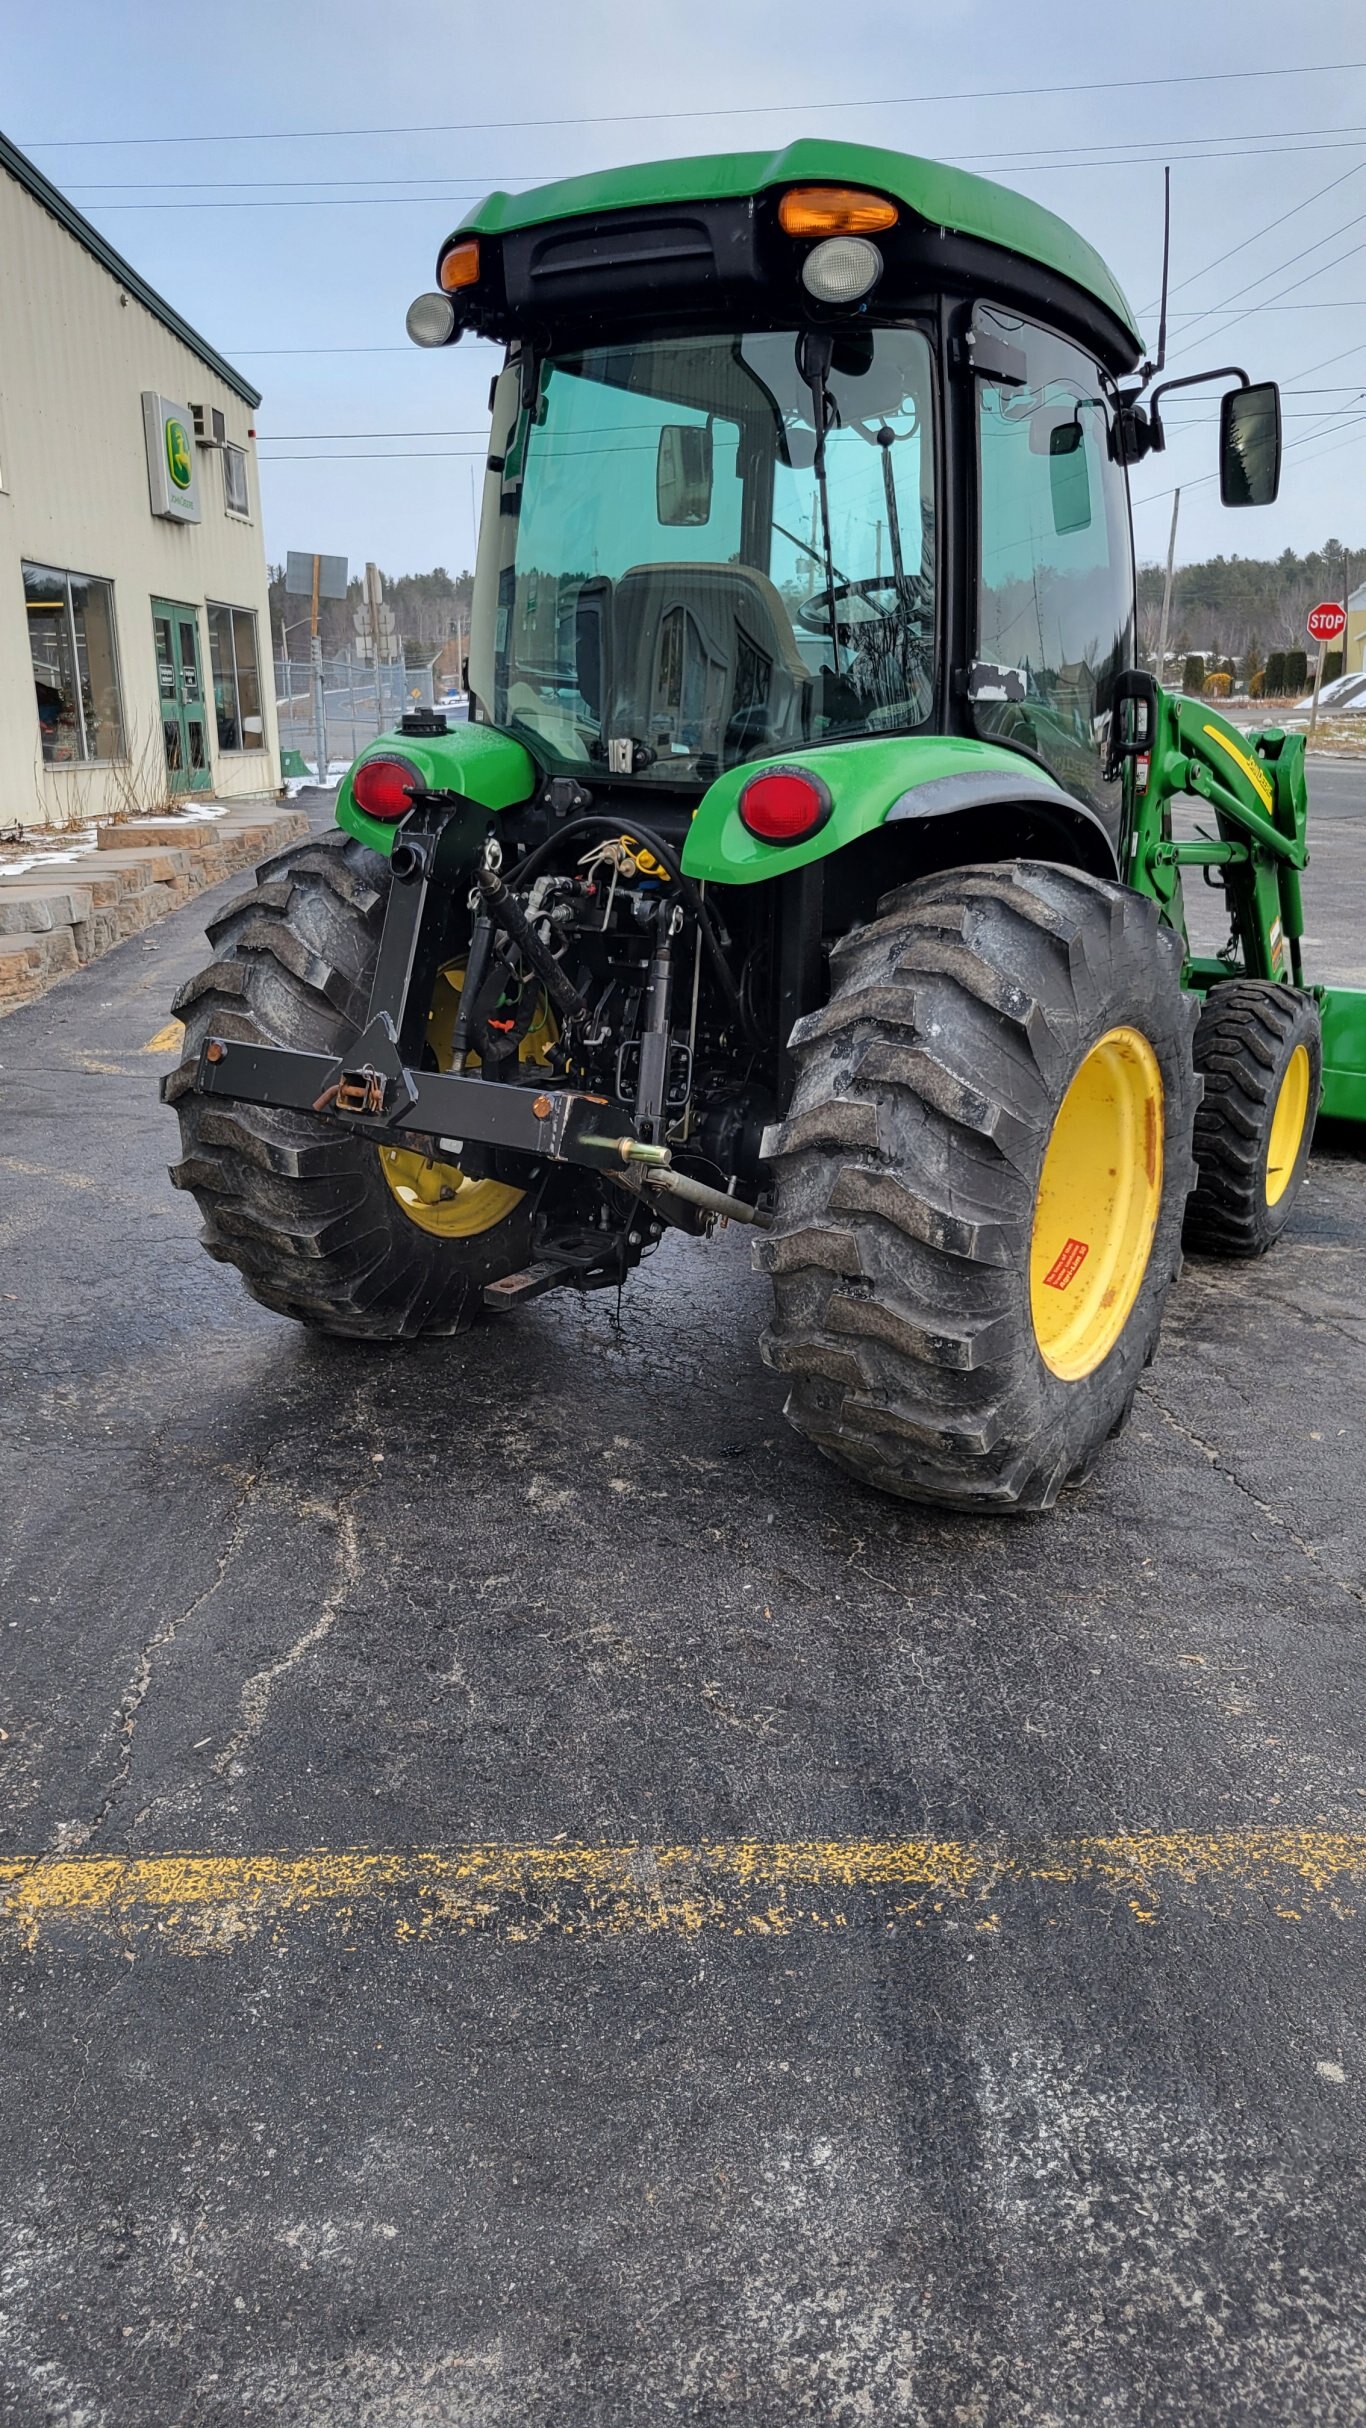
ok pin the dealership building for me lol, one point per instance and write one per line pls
(135, 657)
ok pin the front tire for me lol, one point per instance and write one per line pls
(980, 1184)
(302, 1207)
(1259, 1050)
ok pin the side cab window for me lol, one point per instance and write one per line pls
(1055, 583)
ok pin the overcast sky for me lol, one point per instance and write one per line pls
(296, 244)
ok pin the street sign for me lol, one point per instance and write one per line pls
(299, 576)
(1326, 621)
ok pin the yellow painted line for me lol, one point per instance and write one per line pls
(739, 1887)
(167, 1040)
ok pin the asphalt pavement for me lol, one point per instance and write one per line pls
(527, 1898)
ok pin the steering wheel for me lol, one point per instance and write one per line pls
(818, 613)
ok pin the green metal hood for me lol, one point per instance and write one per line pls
(942, 197)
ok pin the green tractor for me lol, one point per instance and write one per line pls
(813, 855)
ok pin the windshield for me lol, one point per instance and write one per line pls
(666, 586)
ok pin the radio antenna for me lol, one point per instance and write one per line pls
(1151, 369)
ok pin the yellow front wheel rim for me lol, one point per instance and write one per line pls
(1096, 1211)
(1287, 1126)
(439, 1197)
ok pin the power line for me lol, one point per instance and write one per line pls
(1292, 213)
(1206, 477)
(1325, 303)
(1022, 165)
(1223, 310)
(299, 202)
(1148, 146)
(759, 109)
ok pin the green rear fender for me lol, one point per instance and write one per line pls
(878, 781)
(491, 770)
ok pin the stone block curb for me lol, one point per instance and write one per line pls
(52, 922)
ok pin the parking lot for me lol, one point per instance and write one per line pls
(527, 1898)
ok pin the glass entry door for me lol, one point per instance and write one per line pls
(180, 687)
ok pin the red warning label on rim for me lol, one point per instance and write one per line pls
(1067, 1264)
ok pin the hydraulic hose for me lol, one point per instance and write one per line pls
(595, 822)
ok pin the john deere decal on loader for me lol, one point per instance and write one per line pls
(814, 857)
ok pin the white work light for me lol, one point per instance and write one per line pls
(430, 320)
(842, 269)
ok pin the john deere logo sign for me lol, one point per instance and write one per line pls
(178, 460)
(172, 464)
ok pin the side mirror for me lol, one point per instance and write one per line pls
(1250, 445)
(683, 474)
(1055, 429)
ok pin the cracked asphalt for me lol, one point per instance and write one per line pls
(525, 1898)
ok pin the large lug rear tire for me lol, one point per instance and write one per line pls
(305, 1210)
(980, 1184)
(1259, 1050)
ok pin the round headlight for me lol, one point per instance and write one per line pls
(842, 269)
(430, 320)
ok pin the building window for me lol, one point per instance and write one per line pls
(235, 493)
(236, 679)
(75, 665)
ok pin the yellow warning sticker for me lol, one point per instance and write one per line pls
(1243, 759)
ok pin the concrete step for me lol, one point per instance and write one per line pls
(185, 834)
(28, 906)
(29, 963)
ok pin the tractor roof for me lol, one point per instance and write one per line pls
(941, 197)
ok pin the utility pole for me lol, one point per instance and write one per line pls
(374, 607)
(1318, 686)
(316, 653)
(1167, 589)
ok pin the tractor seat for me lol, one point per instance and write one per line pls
(707, 660)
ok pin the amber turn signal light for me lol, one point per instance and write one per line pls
(834, 210)
(459, 265)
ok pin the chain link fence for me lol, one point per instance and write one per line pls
(359, 701)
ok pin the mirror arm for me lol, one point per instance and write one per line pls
(1195, 379)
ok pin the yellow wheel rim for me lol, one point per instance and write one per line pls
(437, 1196)
(1096, 1211)
(1287, 1126)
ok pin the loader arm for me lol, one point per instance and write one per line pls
(1250, 800)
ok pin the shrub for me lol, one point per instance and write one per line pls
(1274, 683)
(1193, 679)
(1218, 685)
(1332, 665)
(1296, 670)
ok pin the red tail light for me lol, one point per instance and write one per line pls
(383, 788)
(784, 805)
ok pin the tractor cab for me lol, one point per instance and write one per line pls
(837, 454)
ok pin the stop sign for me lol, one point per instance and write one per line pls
(1326, 621)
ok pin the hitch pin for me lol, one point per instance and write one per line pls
(659, 1175)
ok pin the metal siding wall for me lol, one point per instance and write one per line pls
(73, 365)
